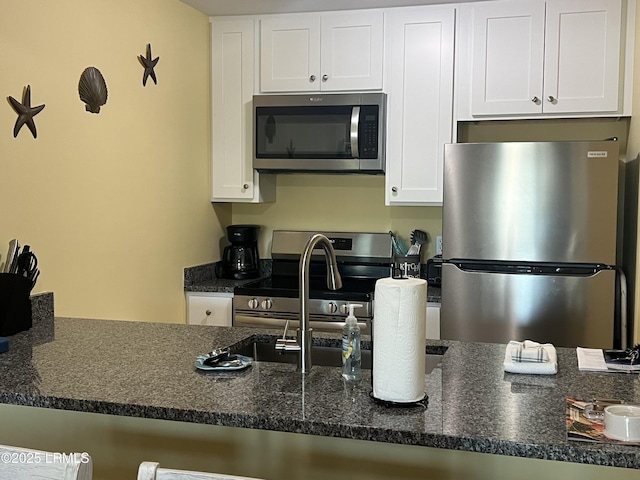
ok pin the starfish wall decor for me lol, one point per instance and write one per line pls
(149, 63)
(25, 112)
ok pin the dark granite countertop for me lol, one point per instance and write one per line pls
(202, 278)
(147, 370)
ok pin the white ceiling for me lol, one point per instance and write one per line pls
(251, 7)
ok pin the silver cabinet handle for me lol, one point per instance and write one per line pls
(208, 312)
(246, 186)
(551, 99)
(535, 99)
(312, 78)
(394, 189)
(325, 78)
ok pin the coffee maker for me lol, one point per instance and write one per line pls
(240, 259)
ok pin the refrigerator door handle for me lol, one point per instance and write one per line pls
(572, 270)
(622, 284)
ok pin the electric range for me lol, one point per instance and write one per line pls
(270, 302)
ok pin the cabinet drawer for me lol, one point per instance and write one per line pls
(209, 309)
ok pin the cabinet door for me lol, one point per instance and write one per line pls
(420, 103)
(433, 321)
(233, 178)
(507, 57)
(203, 309)
(290, 53)
(352, 51)
(582, 56)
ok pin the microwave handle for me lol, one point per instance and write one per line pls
(355, 123)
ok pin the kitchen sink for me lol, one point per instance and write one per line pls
(328, 356)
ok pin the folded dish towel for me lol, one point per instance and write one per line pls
(530, 357)
(528, 351)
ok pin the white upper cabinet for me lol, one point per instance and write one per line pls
(529, 58)
(321, 51)
(420, 102)
(508, 49)
(583, 65)
(233, 177)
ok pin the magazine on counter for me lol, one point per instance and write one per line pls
(598, 360)
(619, 360)
(585, 421)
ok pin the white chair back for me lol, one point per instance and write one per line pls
(152, 471)
(25, 464)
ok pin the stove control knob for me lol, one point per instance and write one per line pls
(332, 307)
(254, 303)
(266, 304)
(344, 309)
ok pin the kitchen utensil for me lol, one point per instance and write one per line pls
(398, 245)
(12, 256)
(419, 237)
(27, 263)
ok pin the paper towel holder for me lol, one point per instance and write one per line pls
(423, 402)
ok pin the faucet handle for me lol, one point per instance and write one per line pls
(287, 345)
(286, 326)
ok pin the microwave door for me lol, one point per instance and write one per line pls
(355, 127)
(305, 132)
(319, 133)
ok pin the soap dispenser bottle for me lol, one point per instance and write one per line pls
(351, 355)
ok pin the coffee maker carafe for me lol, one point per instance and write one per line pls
(240, 259)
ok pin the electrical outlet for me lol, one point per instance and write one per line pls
(439, 245)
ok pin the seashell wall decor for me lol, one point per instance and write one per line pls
(149, 63)
(25, 112)
(92, 89)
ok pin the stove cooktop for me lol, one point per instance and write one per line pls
(354, 289)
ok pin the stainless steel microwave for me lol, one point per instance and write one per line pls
(333, 133)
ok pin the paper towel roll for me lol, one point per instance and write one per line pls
(399, 326)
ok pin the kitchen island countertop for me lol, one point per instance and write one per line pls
(147, 370)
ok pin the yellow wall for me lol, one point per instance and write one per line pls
(336, 203)
(115, 204)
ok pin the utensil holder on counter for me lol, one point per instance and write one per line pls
(15, 304)
(406, 266)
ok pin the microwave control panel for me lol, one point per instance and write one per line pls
(368, 131)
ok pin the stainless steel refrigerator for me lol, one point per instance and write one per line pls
(529, 243)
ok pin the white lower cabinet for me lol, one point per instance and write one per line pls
(420, 65)
(209, 308)
(433, 321)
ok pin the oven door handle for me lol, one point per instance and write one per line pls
(355, 125)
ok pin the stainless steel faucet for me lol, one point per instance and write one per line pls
(334, 282)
